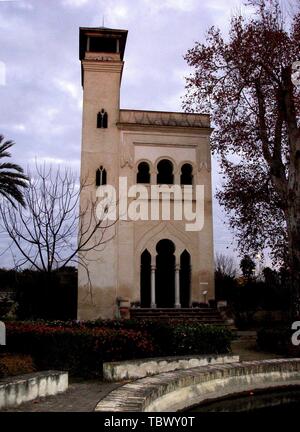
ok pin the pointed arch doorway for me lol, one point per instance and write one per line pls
(165, 274)
(145, 279)
(163, 282)
(185, 279)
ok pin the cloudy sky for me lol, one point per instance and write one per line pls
(40, 89)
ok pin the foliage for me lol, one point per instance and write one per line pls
(81, 347)
(77, 348)
(277, 340)
(245, 83)
(247, 266)
(12, 178)
(42, 295)
(189, 338)
(15, 364)
(255, 294)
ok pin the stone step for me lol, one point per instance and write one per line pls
(175, 311)
(179, 314)
(202, 315)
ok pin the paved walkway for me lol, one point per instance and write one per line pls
(84, 396)
(80, 397)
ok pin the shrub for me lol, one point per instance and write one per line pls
(78, 349)
(36, 293)
(200, 339)
(177, 337)
(81, 347)
(277, 340)
(12, 364)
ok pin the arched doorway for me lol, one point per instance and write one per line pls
(165, 274)
(145, 275)
(185, 279)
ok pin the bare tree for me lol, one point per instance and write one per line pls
(53, 231)
(225, 265)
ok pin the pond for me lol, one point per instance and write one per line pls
(281, 400)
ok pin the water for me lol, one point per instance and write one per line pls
(284, 400)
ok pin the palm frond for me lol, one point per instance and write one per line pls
(12, 177)
(9, 166)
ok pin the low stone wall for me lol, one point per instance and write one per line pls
(133, 369)
(173, 391)
(24, 388)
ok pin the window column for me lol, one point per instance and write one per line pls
(153, 301)
(177, 286)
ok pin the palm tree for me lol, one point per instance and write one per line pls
(12, 177)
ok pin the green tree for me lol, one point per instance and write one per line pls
(12, 177)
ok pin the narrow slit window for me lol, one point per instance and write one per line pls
(102, 119)
(101, 177)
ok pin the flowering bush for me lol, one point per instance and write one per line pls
(76, 348)
(81, 347)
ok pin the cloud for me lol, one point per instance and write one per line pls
(24, 5)
(157, 6)
(71, 89)
(48, 160)
(20, 127)
(41, 102)
(75, 3)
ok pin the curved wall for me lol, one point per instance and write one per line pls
(173, 391)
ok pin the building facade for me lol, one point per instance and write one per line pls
(153, 263)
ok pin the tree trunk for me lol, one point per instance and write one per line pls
(293, 230)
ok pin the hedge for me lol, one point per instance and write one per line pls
(78, 349)
(278, 340)
(81, 347)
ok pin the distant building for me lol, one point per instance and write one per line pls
(152, 263)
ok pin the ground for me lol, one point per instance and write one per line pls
(84, 395)
(245, 347)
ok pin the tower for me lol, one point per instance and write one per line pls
(101, 54)
(153, 262)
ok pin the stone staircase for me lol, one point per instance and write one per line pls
(203, 315)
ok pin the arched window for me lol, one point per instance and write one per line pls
(186, 177)
(165, 172)
(101, 176)
(143, 174)
(102, 119)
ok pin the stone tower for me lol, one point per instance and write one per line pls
(101, 55)
(152, 263)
